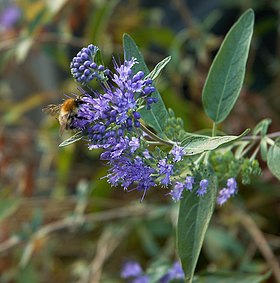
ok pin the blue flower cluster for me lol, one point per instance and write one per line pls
(110, 119)
(84, 68)
(105, 118)
(133, 271)
(131, 165)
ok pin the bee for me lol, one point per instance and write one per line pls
(66, 112)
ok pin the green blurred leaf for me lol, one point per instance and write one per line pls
(7, 207)
(262, 127)
(197, 144)
(222, 247)
(99, 19)
(23, 47)
(231, 277)
(239, 150)
(157, 270)
(156, 71)
(158, 114)
(194, 217)
(17, 110)
(28, 274)
(64, 161)
(273, 159)
(226, 74)
(55, 6)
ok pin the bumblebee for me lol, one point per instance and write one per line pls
(66, 112)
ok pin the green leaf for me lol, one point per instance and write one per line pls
(27, 274)
(157, 115)
(194, 217)
(157, 270)
(264, 149)
(231, 277)
(262, 127)
(226, 74)
(78, 136)
(197, 144)
(155, 72)
(97, 58)
(7, 207)
(273, 159)
(240, 148)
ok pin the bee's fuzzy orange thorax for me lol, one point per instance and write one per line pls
(68, 105)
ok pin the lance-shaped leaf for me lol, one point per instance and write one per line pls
(226, 75)
(197, 144)
(262, 127)
(76, 137)
(194, 217)
(156, 71)
(273, 159)
(157, 115)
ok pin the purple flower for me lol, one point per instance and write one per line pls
(106, 117)
(9, 16)
(141, 279)
(175, 272)
(202, 187)
(189, 183)
(134, 143)
(226, 193)
(176, 193)
(126, 171)
(83, 67)
(131, 269)
(177, 152)
(165, 169)
(146, 154)
(232, 185)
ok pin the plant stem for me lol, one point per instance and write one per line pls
(155, 137)
(272, 135)
(214, 129)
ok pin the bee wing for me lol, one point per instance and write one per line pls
(63, 121)
(52, 109)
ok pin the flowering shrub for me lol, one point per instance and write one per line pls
(145, 145)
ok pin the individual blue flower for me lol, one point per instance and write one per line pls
(141, 279)
(176, 193)
(226, 193)
(175, 272)
(232, 185)
(178, 152)
(84, 68)
(166, 170)
(134, 143)
(9, 16)
(131, 269)
(203, 184)
(189, 183)
(146, 154)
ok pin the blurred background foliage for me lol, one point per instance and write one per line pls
(59, 222)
